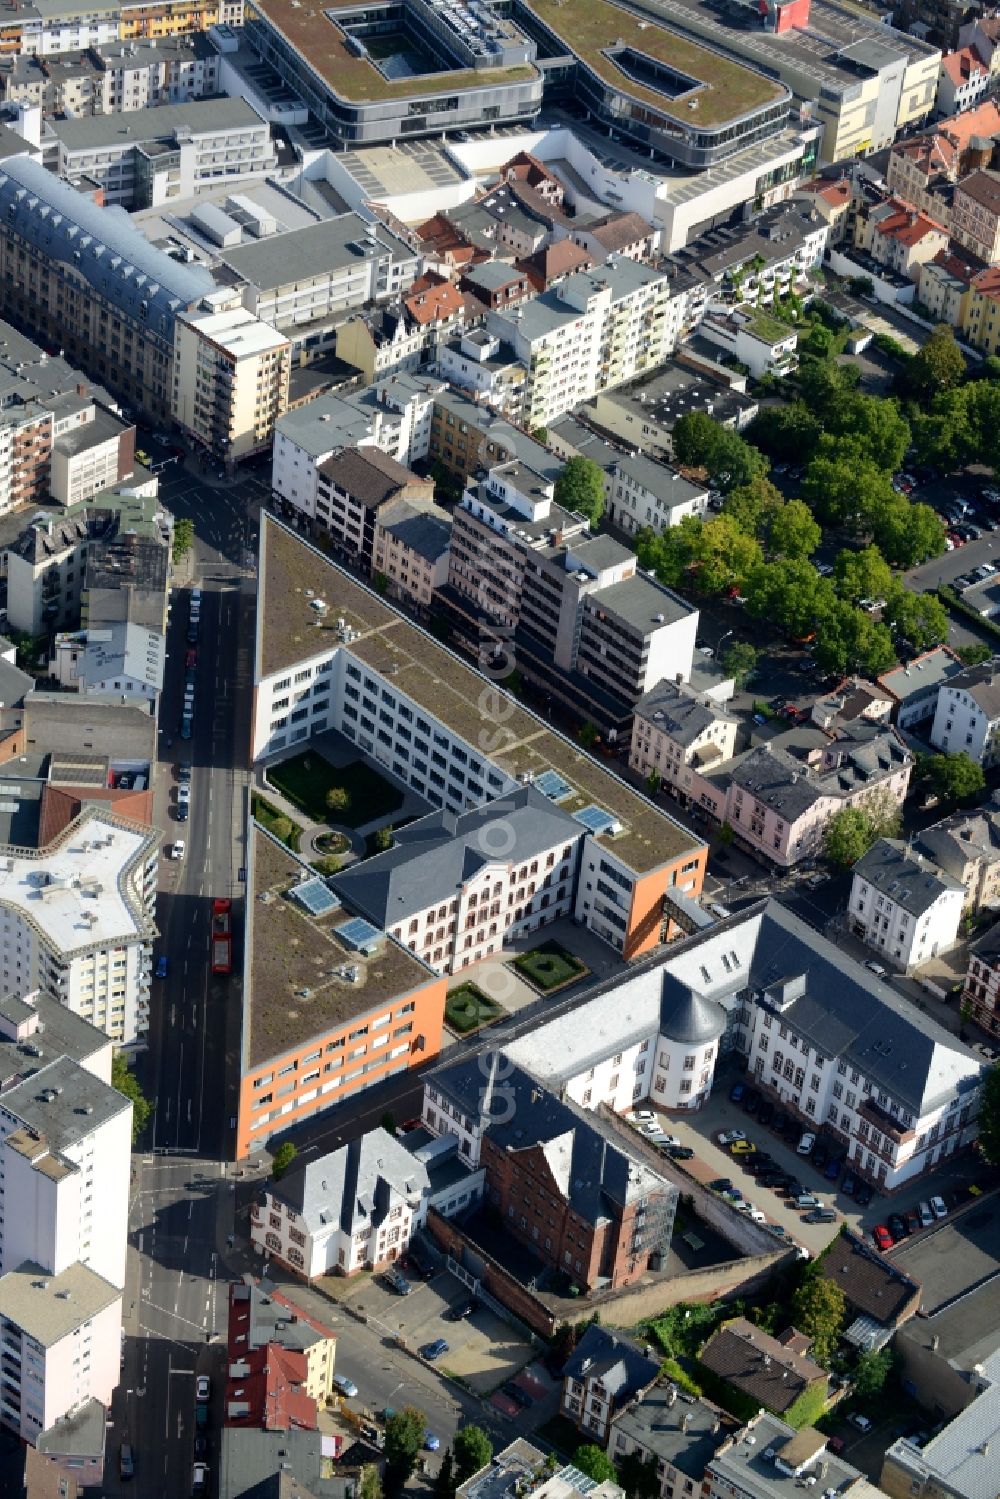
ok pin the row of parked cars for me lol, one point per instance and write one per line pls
(646, 1122)
(899, 1226)
(824, 1154)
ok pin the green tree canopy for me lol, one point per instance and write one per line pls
(125, 1082)
(752, 506)
(595, 1462)
(973, 655)
(473, 1450)
(183, 538)
(724, 555)
(638, 1476)
(732, 462)
(851, 832)
(989, 1116)
(692, 437)
(818, 1309)
(738, 661)
(404, 1437)
(920, 618)
(789, 593)
(283, 1157)
(580, 487)
(370, 1484)
(938, 365)
(862, 575)
(871, 1372)
(843, 488)
(787, 434)
(906, 534)
(954, 778)
(793, 532)
(338, 799)
(875, 424)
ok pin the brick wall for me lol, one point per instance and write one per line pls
(496, 1281)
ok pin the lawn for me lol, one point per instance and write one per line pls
(280, 827)
(307, 779)
(468, 1008)
(549, 967)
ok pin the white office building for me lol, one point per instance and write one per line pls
(77, 919)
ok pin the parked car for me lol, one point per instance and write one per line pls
(766, 1112)
(397, 1282)
(861, 1422)
(202, 1387)
(863, 1195)
(431, 1442)
(736, 1092)
(926, 1216)
(897, 1226)
(882, 1236)
(435, 1350)
(126, 1463)
(176, 850)
(805, 1202)
(730, 1136)
(665, 1141)
(938, 1207)
(742, 1147)
(820, 1155)
(199, 1479)
(520, 1397)
(161, 966)
(751, 1101)
(461, 1310)
(849, 1184)
(721, 1184)
(820, 1215)
(806, 1143)
(833, 1168)
(876, 968)
(345, 1386)
(680, 1152)
(780, 1122)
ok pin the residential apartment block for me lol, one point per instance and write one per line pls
(645, 493)
(975, 215)
(914, 687)
(77, 919)
(410, 709)
(676, 728)
(605, 1374)
(679, 1436)
(924, 168)
(902, 907)
(355, 486)
(967, 715)
(982, 981)
(768, 1458)
(595, 329)
(260, 1314)
(72, 269)
(230, 378)
(412, 551)
(117, 78)
(961, 1460)
(353, 1209)
(966, 845)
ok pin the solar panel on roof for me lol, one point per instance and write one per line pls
(551, 784)
(316, 896)
(360, 934)
(597, 821)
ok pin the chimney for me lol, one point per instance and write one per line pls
(685, 1421)
(935, 1342)
(81, 389)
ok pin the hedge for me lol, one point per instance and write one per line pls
(951, 600)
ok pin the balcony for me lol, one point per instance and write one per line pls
(885, 1123)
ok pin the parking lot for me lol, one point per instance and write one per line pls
(483, 1349)
(712, 1161)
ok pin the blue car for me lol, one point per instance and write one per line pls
(161, 966)
(432, 1351)
(431, 1442)
(833, 1168)
(736, 1092)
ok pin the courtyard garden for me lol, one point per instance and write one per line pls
(549, 967)
(348, 794)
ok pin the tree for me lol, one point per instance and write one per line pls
(540, 434)
(382, 839)
(752, 506)
(789, 593)
(818, 1310)
(638, 1476)
(851, 832)
(732, 462)
(370, 1483)
(906, 534)
(842, 488)
(692, 438)
(725, 556)
(973, 655)
(653, 782)
(954, 778)
(588, 735)
(862, 575)
(670, 554)
(125, 1082)
(183, 538)
(787, 434)
(871, 1372)
(793, 532)
(595, 1462)
(282, 828)
(473, 1450)
(338, 799)
(738, 661)
(989, 1116)
(282, 1159)
(875, 424)
(920, 618)
(580, 488)
(404, 1437)
(939, 365)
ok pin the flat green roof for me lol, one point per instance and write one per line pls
(323, 45)
(726, 89)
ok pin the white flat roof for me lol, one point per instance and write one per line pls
(78, 892)
(237, 331)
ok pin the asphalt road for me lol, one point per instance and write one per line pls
(175, 1299)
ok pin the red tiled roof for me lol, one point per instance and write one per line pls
(958, 263)
(960, 65)
(434, 303)
(939, 151)
(619, 230)
(270, 1384)
(837, 194)
(61, 804)
(987, 283)
(906, 224)
(555, 260)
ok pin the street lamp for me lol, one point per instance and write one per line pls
(718, 648)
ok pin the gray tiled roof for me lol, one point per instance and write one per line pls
(367, 474)
(871, 1283)
(982, 684)
(439, 852)
(622, 1368)
(115, 258)
(687, 1016)
(758, 1365)
(425, 532)
(895, 871)
(660, 480)
(677, 713)
(314, 250)
(199, 117)
(352, 1182)
(280, 1465)
(683, 1433)
(963, 1459)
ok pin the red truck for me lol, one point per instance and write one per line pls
(222, 936)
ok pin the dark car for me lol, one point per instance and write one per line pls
(432, 1351)
(849, 1184)
(792, 1131)
(780, 1122)
(863, 1195)
(460, 1310)
(736, 1092)
(774, 1180)
(833, 1168)
(766, 1112)
(912, 1221)
(397, 1282)
(721, 1184)
(201, 1445)
(820, 1155)
(680, 1152)
(751, 1102)
(896, 1225)
(520, 1397)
